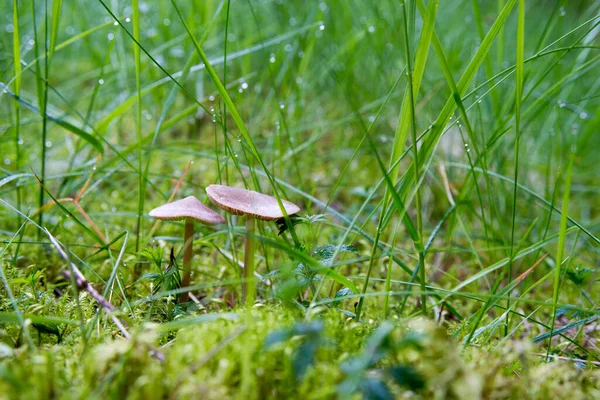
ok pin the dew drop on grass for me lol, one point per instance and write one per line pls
(288, 47)
(371, 118)
(583, 115)
(371, 29)
(561, 103)
(299, 80)
(292, 21)
(300, 54)
(127, 19)
(562, 12)
(244, 85)
(211, 98)
(7, 161)
(166, 22)
(48, 143)
(20, 141)
(70, 30)
(281, 105)
(321, 27)
(272, 58)
(101, 81)
(323, 6)
(10, 28)
(111, 36)
(231, 37)
(115, 23)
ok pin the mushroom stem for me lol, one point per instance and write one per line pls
(249, 284)
(187, 258)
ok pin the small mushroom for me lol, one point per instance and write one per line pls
(253, 205)
(189, 209)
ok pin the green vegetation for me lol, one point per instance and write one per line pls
(462, 267)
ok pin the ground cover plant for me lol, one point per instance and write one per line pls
(443, 156)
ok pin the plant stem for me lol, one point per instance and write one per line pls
(188, 239)
(249, 285)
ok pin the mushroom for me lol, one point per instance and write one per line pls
(253, 205)
(189, 209)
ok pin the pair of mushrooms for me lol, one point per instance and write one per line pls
(236, 201)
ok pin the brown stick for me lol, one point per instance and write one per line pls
(83, 284)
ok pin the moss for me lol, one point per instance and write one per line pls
(227, 359)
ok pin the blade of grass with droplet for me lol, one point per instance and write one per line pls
(561, 243)
(138, 124)
(519, 76)
(421, 54)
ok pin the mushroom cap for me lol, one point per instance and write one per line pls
(242, 201)
(190, 207)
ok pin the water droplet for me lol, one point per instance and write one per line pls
(562, 12)
(101, 81)
(111, 36)
(281, 105)
(114, 209)
(213, 118)
(94, 168)
(561, 103)
(10, 28)
(235, 155)
(323, 6)
(240, 90)
(583, 115)
(20, 141)
(7, 161)
(231, 37)
(244, 85)
(371, 29)
(127, 19)
(288, 47)
(70, 30)
(48, 143)
(148, 116)
(211, 98)
(166, 22)
(212, 110)
(300, 54)
(299, 80)
(292, 21)
(371, 118)
(321, 27)
(115, 23)
(31, 42)
(272, 58)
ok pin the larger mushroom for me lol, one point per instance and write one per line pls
(189, 209)
(253, 205)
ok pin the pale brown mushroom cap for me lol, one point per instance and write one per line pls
(190, 207)
(242, 201)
